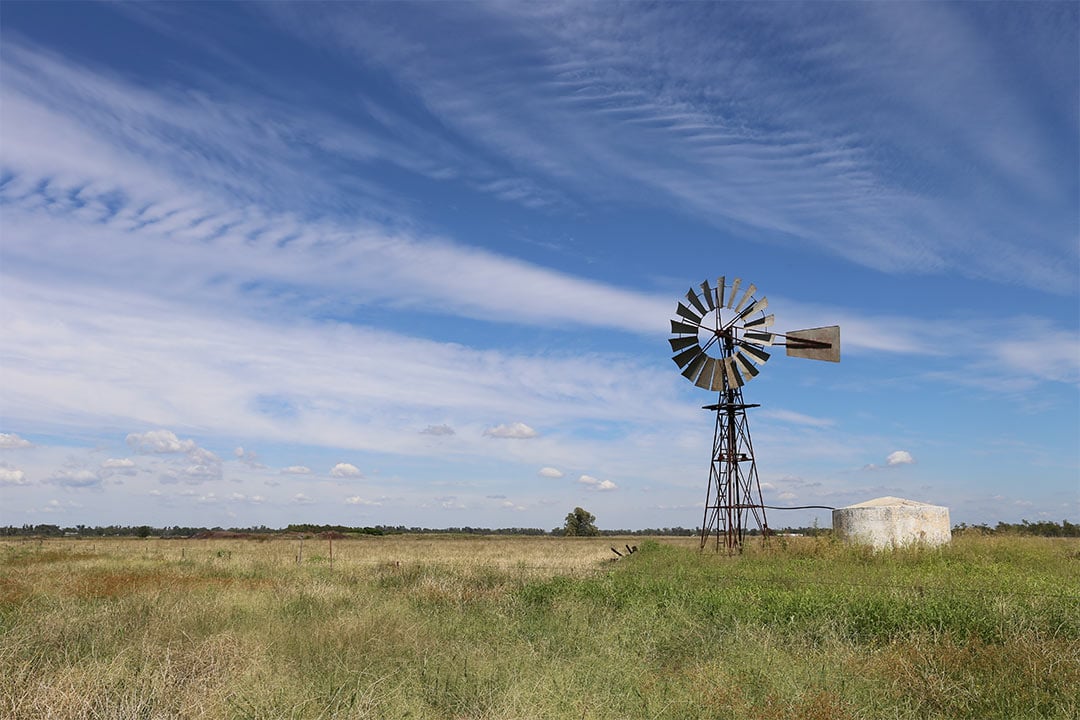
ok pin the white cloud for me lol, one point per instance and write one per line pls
(345, 470)
(437, 430)
(112, 467)
(900, 457)
(241, 497)
(12, 476)
(249, 458)
(296, 470)
(75, 478)
(595, 484)
(301, 499)
(513, 431)
(10, 441)
(357, 500)
(159, 441)
(550, 472)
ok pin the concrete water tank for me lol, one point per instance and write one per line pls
(893, 522)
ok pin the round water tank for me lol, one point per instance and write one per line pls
(893, 522)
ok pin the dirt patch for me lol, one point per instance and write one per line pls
(105, 585)
(12, 592)
(23, 558)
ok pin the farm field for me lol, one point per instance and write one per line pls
(430, 626)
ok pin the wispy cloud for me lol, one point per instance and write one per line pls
(829, 156)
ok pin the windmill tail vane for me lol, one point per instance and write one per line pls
(719, 341)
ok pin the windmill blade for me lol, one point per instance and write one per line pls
(821, 343)
(762, 322)
(720, 290)
(682, 328)
(756, 307)
(681, 343)
(746, 366)
(734, 379)
(719, 379)
(756, 353)
(734, 290)
(746, 298)
(693, 298)
(683, 358)
(704, 380)
(687, 313)
(694, 368)
(707, 293)
(758, 338)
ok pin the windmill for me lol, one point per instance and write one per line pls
(720, 341)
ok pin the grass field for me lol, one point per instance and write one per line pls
(537, 627)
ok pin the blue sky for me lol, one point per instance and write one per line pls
(414, 264)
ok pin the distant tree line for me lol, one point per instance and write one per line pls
(1043, 528)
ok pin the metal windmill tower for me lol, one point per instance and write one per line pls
(719, 341)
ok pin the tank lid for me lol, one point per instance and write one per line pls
(888, 501)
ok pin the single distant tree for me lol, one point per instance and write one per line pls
(580, 522)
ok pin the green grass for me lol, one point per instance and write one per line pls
(538, 628)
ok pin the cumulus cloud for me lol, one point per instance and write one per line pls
(12, 476)
(200, 465)
(296, 470)
(10, 441)
(357, 500)
(596, 484)
(437, 430)
(117, 466)
(345, 470)
(894, 459)
(240, 497)
(75, 478)
(900, 457)
(301, 499)
(159, 441)
(550, 472)
(513, 431)
(249, 458)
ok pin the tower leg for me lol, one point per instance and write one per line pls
(733, 498)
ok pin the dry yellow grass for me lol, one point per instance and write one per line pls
(427, 626)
